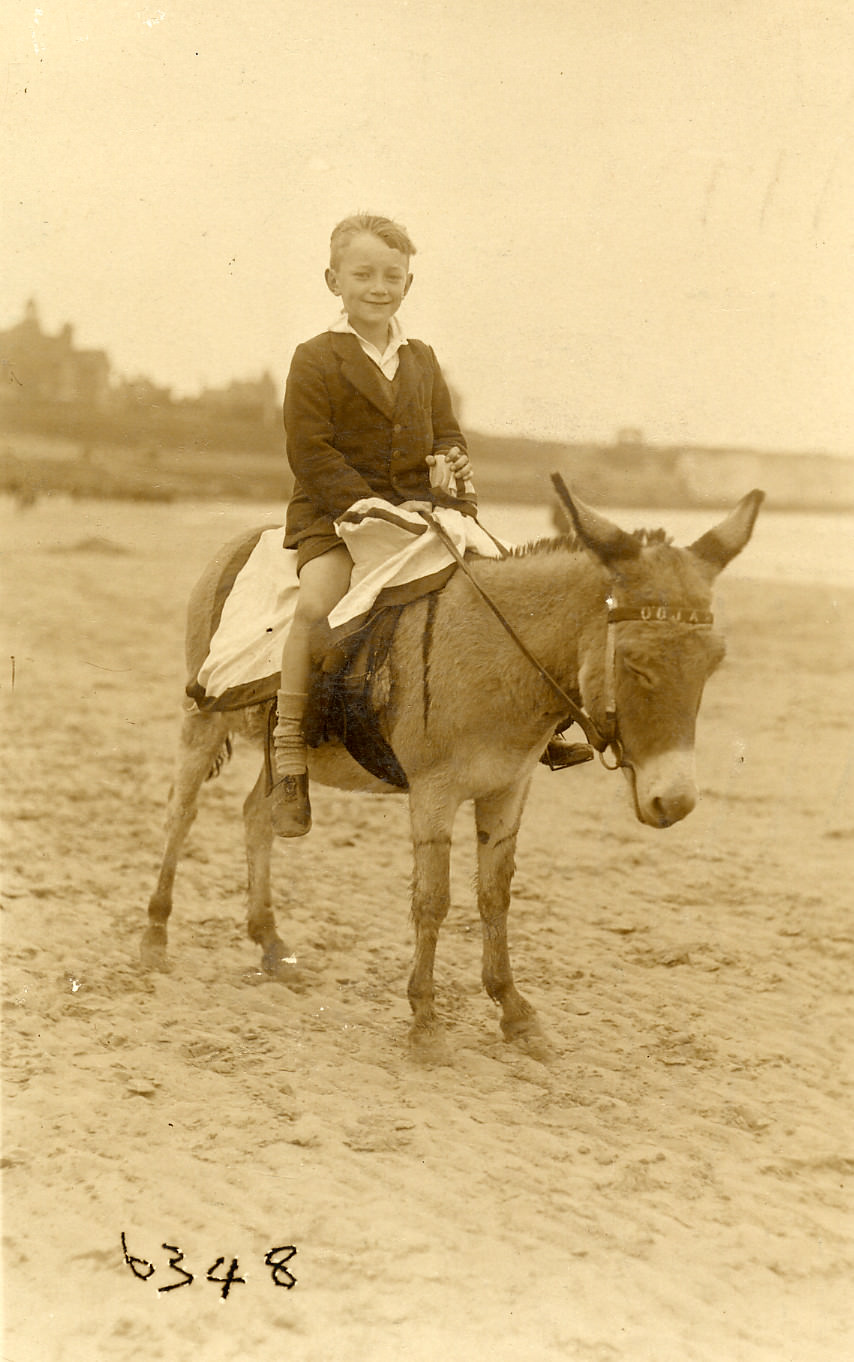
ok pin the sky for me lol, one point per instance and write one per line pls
(627, 212)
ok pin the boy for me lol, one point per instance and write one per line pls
(367, 414)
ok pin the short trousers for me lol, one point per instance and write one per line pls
(312, 546)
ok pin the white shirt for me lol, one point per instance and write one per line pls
(387, 361)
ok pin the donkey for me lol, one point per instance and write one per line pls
(614, 629)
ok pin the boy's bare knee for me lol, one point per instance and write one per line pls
(310, 610)
(323, 581)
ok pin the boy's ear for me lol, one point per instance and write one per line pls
(332, 282)
(407, 285)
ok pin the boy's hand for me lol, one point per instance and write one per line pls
(460, 463)
(449, 469)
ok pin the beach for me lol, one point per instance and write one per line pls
(673, 1187)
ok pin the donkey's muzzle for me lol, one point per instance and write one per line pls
(665, 788)
(669, 809)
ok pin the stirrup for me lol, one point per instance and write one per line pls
(560, 755)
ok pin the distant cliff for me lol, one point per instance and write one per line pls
(631, 473)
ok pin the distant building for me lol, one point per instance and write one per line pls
(38, 370)
(629, 435)
(141, 392)
(37, 367)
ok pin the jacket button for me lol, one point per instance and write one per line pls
(397, 429)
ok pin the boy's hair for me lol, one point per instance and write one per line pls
(392, 233)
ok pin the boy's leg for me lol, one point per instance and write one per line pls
(323, 581)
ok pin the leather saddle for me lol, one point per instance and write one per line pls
(348, 689)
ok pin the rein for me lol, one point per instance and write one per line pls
(597, 739)
(651, 613)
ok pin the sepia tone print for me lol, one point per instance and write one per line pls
(344, 1133)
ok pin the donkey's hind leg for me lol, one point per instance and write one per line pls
(261, 924)
(497, 818)
(202, 737)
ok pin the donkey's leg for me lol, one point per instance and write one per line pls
(497, 819)
(202, 736)
(431, 819)
(259, 843)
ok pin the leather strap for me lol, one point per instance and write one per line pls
(574, 711)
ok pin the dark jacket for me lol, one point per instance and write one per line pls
(352, 434)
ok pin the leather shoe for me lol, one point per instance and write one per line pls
(291, 811)
(559, 754)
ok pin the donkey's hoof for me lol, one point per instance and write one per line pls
(429, 1045)
(279, 965)
(535, 1046)
(526, 1036)
(152, 951)
(278, 961)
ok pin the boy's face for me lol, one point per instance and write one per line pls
(372, 280)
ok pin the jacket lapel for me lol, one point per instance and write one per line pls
(362, 372)
(408, 378)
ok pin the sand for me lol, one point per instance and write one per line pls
(675, 1185)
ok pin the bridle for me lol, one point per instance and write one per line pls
(607, 736)
(646, 614)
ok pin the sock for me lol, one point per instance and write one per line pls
(289, 749)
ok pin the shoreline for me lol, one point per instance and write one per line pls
(786, 546)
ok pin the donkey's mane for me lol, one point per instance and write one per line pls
(570, 543)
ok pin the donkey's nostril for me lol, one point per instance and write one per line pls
(660, 814)
(669, 809)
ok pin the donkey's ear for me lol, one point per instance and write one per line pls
(600, 535)
(718, 546)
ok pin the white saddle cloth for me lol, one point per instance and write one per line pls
(392, 552)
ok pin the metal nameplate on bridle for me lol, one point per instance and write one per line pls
(667, 614)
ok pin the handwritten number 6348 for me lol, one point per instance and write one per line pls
(275, 1260)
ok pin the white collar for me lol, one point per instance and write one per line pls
(396, 338)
